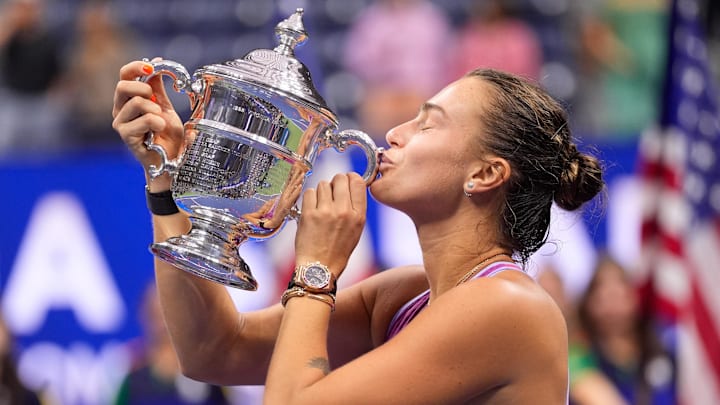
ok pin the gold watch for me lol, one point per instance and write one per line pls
(314, 277)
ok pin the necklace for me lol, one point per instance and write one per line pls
(477, 268)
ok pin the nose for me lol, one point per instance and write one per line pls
(394, 136)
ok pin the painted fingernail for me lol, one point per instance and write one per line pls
(153, 98)
(147, 69)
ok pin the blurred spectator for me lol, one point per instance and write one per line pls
(30, 65)
(12, 391)
(588, 385)
(156, 378)
(623, 52)
(495, 38)
(101, 47)
(398, 49)
(620, 343)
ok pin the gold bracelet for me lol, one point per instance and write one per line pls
(327, 298)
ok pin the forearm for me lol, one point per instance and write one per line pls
(300, 358)
(199, 314)
(201, 318)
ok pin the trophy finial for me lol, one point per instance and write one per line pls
(290, 33)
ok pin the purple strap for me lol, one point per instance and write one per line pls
(413, 307)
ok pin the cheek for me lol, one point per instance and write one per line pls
(435, 176)
(435, 161)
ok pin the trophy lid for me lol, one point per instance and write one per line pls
(278, 69)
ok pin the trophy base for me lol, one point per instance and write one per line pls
(206, 261)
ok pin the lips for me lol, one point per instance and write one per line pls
(384, 165)
(383, 158)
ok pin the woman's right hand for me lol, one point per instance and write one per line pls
(141, 107)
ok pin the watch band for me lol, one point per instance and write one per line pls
(161, 203)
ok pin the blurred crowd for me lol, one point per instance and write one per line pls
(375, 62)
(56, 86)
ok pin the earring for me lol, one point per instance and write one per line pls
(470, 185)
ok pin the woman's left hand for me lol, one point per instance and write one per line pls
(332, 220)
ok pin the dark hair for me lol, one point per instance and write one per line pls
(524, 125)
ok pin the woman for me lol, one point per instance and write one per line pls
(588, 385)
(477, 171)
(623, 346)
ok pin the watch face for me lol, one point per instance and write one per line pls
(316, 277)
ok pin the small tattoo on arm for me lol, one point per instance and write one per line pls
(321, 364)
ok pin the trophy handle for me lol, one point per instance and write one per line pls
(342, 139)
(181, 84)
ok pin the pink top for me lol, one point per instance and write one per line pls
(413, 307)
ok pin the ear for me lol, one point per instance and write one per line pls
(487, 174)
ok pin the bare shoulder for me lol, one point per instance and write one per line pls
(514, 326)
(514, 302)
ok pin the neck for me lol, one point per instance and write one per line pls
(453, 246)
(620, 349)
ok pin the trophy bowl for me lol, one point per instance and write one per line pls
(256, 127)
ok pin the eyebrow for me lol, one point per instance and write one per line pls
(428, 106)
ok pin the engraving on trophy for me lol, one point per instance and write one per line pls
(222, 167)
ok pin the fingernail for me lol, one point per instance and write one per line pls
(153, 98)
(147, 68)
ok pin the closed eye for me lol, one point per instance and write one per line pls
(423, 123)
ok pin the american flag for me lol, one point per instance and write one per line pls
(681, 229)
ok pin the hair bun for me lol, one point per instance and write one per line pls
(580, 181)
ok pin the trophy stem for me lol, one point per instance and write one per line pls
(210, 249)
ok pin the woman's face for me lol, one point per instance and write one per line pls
(427, 162)
(613, 303)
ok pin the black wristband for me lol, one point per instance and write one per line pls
(161, 203)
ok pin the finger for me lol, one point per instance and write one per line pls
(134, 108)
(324, 195)
(139, 127)
(126, 90)
(358, 192)
(135, 69)
(309, 200)
(158, 89)
(341, 191)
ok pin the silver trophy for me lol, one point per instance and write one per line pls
(256, 128)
